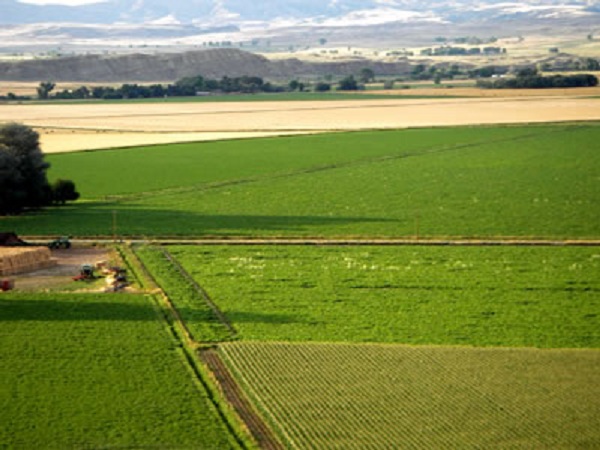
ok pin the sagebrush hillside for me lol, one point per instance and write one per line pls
(212, 63)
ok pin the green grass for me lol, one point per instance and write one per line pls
(528, 181)
(544, 297)
(98, 371)
(332, 396)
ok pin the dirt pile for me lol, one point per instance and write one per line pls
(212, 63)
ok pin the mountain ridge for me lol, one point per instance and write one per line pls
(211, 63)
(300, 12)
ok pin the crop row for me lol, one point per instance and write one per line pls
(387, 396)
(482, 296)
(98, 371)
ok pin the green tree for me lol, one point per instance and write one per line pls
(322, 87)
(367, 75)
(22, 169)
(348, 84)
(64, 191)
(296, 85)
(44, 89)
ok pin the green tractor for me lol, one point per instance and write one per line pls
(61, 242)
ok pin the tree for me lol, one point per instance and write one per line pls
(23, 180)
(44, 89)
(592, 64)
(348, 84)
(322, 87)
(367, 75)
(296, 85)
(64, 191)
(23, 168)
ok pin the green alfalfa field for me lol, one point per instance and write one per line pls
(419, 347)
(501, 181)
(521, 181)
(99, 371)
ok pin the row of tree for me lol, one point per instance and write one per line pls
(531, 79)
(23, 180)
(461, 51)
(191, 86)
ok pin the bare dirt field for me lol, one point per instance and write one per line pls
(95, 126)
(60, 276)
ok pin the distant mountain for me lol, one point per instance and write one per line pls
(236, 12)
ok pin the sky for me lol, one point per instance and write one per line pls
(61, 2)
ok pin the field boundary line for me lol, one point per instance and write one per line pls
(189, 347)
(325, 241)
(176, 317)
(212, 305)
(250, 391)
(238, 399)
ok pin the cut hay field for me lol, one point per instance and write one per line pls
(98, 371)
(350, 396)
(519, 181)
(140, 123)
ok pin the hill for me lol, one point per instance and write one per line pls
(212, 63)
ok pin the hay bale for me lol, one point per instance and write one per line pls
(22, 260)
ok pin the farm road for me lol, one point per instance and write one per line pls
(401, 241)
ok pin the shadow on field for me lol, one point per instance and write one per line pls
(56, 309)
(101, 219)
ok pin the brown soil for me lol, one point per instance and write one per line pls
(230, 389)
(68, 265)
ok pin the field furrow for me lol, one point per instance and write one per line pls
(374, 396)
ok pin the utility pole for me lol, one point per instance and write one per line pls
(114, 225)
(417, 225)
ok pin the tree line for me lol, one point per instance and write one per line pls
(531, 79)
(23, 180)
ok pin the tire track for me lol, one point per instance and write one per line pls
(212, 305)
(234, 395)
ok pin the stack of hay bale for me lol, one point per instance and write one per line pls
(21, 260)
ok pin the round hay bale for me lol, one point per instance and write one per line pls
(22, 260)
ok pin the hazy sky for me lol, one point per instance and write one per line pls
(61, 2)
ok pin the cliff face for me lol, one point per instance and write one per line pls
(214, 63)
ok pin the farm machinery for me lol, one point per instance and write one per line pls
(61, 242)
(86, 273)
(116, 277)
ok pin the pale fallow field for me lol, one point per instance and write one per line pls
(74, 127)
